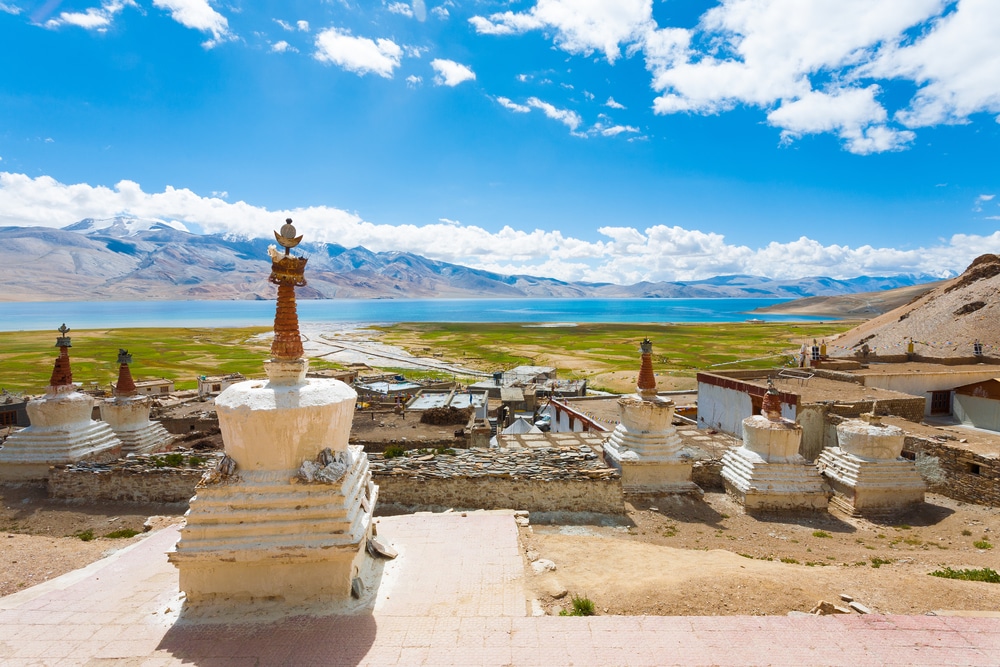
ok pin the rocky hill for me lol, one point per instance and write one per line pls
(127, 258)
(944, 322)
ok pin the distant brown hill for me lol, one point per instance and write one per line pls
(860, 306)
(944, 322)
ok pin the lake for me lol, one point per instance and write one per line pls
(37, 316)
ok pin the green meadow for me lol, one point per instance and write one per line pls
(593, 351)
(598, 351)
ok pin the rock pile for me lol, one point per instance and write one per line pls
(536, 464)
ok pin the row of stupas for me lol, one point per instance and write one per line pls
(62, 430)
(864, 474)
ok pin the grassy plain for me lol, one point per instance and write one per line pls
(606, 354)
(26, 357)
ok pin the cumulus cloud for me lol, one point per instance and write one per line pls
(98, 19)
(815, 67)
(624, 254)
(198, 15)
(358, 54)
(441, 12)
(580, 26)
(303, 26)
(611, 103)
(400, 8)
(451, 73)
(282, 46)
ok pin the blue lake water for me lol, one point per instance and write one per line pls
(33, 316)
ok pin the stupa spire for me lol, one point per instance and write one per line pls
(125, 386)
(62, 374)
(771, 405)
(287, 272)
(647, 379)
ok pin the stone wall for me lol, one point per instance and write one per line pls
(911, 409)
(955, 472)
(134, 479)
(572, 495)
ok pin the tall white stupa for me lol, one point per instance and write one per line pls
(286, 516)
(128, 414)
(61, 429)
(645, 446)
(767, 473)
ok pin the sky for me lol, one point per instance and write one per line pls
(598, 140)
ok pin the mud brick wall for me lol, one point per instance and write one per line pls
(603, 496)
(911, 409)
(956, 472)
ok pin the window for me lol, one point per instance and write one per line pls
(8, 418)
(164, 390)
(216, 387)
(940, 402)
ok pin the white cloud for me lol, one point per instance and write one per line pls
(624, 254)
(567, 117)
(811, 67)
(980, 200)
(98, 19)
(580, 26)
(358, 54)
(303, 26)
(9, 9)
(513, 106)
(441, 12)
(282, 46)
(451, 73)
(413, 81)
(523, 78)
(284, 24)
(614, 105)
(615, 130)
(198, 15)
(400, 8)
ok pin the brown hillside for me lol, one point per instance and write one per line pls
(944, 322)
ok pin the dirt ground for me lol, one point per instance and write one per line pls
(707, 557)
(39, 537)
(680, 557)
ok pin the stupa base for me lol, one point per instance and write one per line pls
(28, 454)
(760, 486)
(881, 487)
(646, 476)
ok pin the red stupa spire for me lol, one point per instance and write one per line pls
(125, 386)
(287, 273)
(62, 374)
(647, 379)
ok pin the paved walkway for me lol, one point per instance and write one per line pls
(452, 597)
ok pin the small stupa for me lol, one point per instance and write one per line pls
(286, 516)
(866, 471)
(61, 430)
(645, 446)
(767, 473)
(128, 414)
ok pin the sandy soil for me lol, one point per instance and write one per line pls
(706, 557)
(681, 557)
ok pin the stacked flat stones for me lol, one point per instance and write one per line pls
(541, 464)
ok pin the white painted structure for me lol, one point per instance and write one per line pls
(61, 432)
(926, 382)
(128, 417)
(866, 471)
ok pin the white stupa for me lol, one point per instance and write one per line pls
(645, 446)
(128, 414)
(286, 517)
(61, 429)
(865, 469)
(767, 473)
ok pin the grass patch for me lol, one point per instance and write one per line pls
(581, 607)
(670, 531)
(787, 559)
(985, 574)
(966, 532)
(982, 544)
(879, 562)
(178, 354)
(122, 533)
(85, 535)
(913, 541)
(821, 533)
(393, 451)
(902, 526)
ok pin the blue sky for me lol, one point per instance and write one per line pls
(611, 140)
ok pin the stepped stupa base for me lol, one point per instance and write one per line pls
(643, 475)
(789, 486)
(129, 419)
(270, 536)
(871, 487)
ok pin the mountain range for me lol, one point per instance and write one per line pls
(127, 258)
